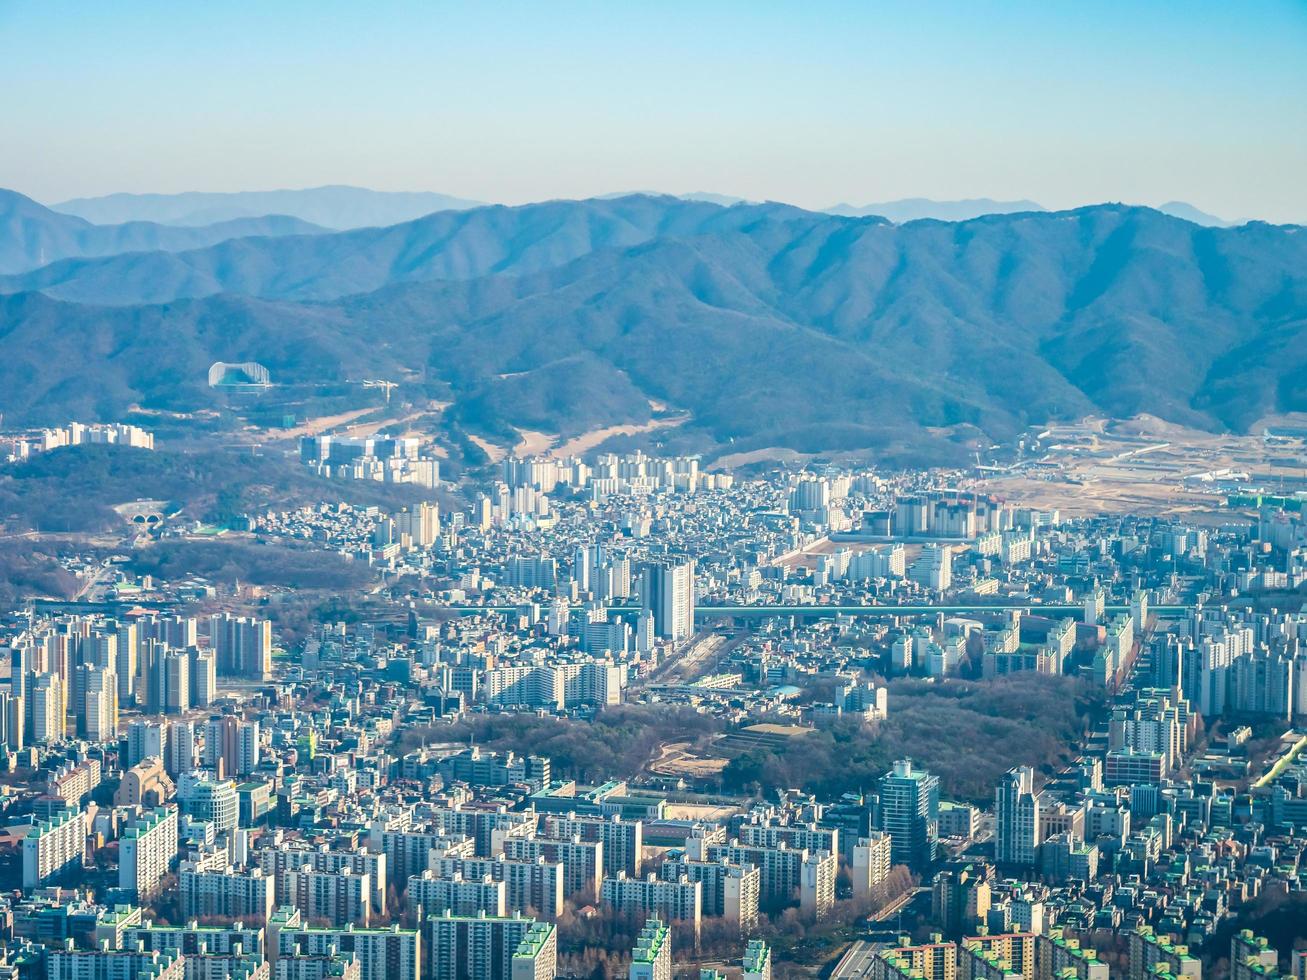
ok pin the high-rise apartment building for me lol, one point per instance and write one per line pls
(383, 954)
(230, 893)
(146, 852)
(145, 740)
(871, 863)
(674, 901)
(53, 849)
(651, 959)
(756, 964)
(1017, 832)
(49, 716)
(474, 946)
(180, 749)
(421, 524)
(176, 682)
(231, 746)
(536, 956)
(667, 592)
(817, 887)
(909, 813)
(243, 646)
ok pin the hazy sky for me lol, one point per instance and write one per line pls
(809, 102)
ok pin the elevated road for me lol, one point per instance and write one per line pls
(816, 611)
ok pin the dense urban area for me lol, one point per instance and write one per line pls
(605, 714)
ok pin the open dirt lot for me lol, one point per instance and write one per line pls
(1148, 466)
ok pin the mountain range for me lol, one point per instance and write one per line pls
(920, 208)
(765, 325)
(335, 206)
(32, 235)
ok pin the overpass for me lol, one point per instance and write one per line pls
(863, 609)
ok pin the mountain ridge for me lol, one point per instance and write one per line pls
(336, 206)
(768, 326)
(923, 208)
(32, 235)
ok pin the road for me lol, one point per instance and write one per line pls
(856, 962)
(899, 904)
(921, 609)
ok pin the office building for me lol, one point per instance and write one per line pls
(214, 800)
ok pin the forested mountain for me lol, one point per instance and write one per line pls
(768, 325)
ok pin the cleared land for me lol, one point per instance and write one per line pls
(1148, 466)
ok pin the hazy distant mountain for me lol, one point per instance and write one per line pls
(1179, 209)
(916, 208)
(447, 245)
(725, 200)
(769, 325)
(32, 235)
(336, 207)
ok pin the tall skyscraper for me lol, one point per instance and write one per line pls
(1016, 811)
(667, 591)
(909, 812)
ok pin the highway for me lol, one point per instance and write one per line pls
(857, 961)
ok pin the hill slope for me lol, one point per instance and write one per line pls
(32, 236)
(770, 326)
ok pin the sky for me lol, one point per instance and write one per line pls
(811, 102)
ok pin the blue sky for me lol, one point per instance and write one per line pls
(809, 102)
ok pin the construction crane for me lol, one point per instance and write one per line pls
(377, 383)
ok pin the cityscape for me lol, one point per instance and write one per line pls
(444, 538)
(619, 713)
